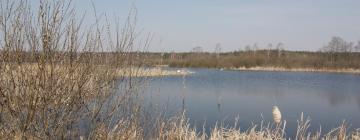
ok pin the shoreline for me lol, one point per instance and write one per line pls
(151, 72)
(119, 72)
(282, 69)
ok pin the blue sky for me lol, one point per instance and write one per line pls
(183, 24)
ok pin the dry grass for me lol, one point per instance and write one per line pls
(179, 129)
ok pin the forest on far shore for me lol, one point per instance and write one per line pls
(337, 54)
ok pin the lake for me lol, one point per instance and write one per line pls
(211, 96)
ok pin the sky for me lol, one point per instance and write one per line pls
(184, 24)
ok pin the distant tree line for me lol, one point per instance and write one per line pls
(337, 54)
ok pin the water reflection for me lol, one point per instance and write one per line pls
(213, 95)
(219, 102)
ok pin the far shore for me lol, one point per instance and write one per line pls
(282, 69)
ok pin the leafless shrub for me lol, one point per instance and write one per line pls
(56, 76)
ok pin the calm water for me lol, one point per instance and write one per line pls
(211, 96)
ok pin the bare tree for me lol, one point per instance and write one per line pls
(255, 48)
(217, 50)
(336, 46)
(247, 48)
(269, 47)
(357, 47)
(279, 48)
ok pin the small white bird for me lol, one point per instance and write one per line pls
(276, 114)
